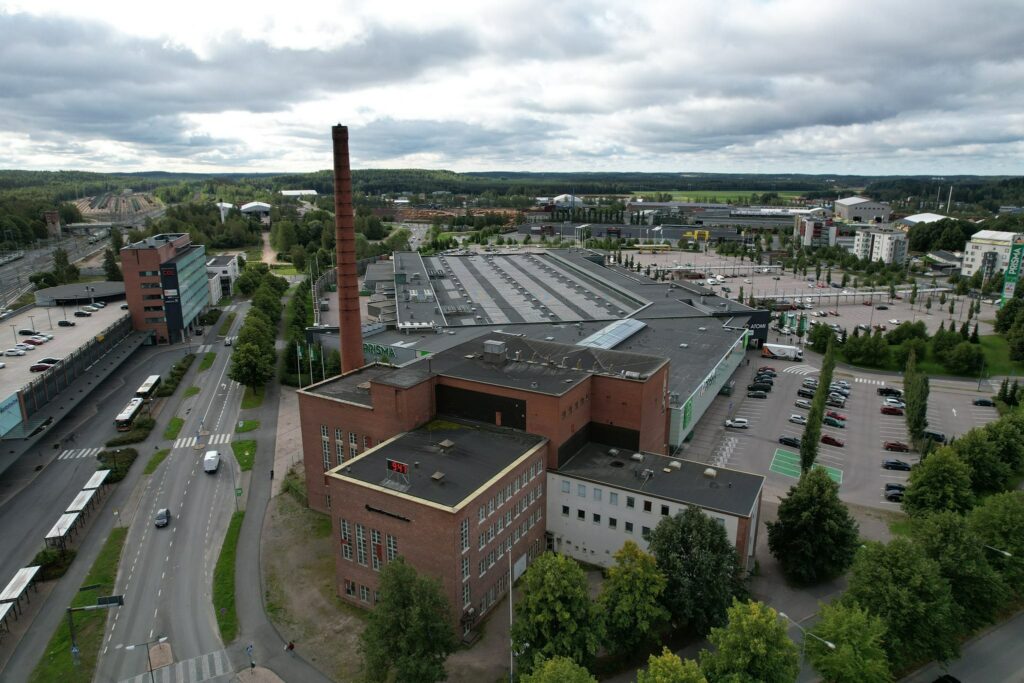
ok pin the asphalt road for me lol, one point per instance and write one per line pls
(994, 657)
(166, 574)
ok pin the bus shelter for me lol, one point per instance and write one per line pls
(62, 530)
(97, 480)
(83, 501)
(18, 589)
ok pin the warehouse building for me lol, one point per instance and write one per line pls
(862, 210)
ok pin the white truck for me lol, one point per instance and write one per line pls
(782, 352)
(211, 461)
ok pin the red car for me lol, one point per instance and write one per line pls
(831, 440)
(866, 303)
(766, 368)
(896, 446)
(890, 410)
(33, 342)
(835, 415)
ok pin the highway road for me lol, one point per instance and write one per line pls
(166, 574)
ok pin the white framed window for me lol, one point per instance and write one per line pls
(482, 516)
(325, 448)
(392, 548)
(464, 534)
(613, 498)
(465, 569)
(364, 594)
(346, 539)
(323, 431)
(597, 494)
(581, 490)
(353, 443)
(375, 550)
(360, 544)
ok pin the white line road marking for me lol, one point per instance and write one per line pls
(954, 411)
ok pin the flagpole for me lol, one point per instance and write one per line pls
(310, 351)
(298, 366)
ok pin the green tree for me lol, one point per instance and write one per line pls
(946, 538)
(900, 584)
(631, 600)
(915, 396)
(669, 668)
(989, 472)
(753, 646)
(965, 358)
(250, 366)
(555, 616)
(297, 254)
(110, 267)
(701, 567)
(408, 635)
(997, 522)
(63, 270)
(815, 537)
(859, 656)
(942, 481)
(116, 241)
(559, 670)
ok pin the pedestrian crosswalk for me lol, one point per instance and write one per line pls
(202, 668)
(801, 369)
(204, 348)
(862, 380)
(211, 440)
(76, 453)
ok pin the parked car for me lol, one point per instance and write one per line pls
(757, 394)
(65, 323)
(832, 422)
(835, 389)
(805, 393)
(25, 347)
(765, 379)
(14, 352)
(796, 418)
(737, 423)
(889, 391)
(985, 402)
(759, 386)
(894, 402)
(767, 373)
(893, 464)
(881, 307)
(891, 410)
(866, 303)
(934, 436)
(790, 441)
(3, 365)
(766, 368)
(34, 341)
(99, 304)
(810, 383)
(897, 446)
(841, 383)
(832, 441)
(49, 359)
(90, 308)
(803, 403)
(163, 517)
(894, 496)
(124, 307)
(838, 416)
(40, 367)
(894, 486)
(836, 402)
(894, 321)
(27, 332)
(82, 314)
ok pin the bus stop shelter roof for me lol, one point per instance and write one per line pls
(81, 500)
(97, 479)
(63, 526)
(21, 581)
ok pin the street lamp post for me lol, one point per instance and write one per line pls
(1001, 552)
(830, 645)
(149, 659)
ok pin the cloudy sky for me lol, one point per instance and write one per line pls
(813, 86)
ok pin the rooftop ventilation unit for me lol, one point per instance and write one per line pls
(676, 465)
(437, 476)
(614, 452)
(710, 472)
(445, 445)
(637, 457)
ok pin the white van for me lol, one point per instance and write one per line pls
(211, 461)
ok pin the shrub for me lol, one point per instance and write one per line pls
(54, 564)
(173, 379)
(210, 317)
(118, 461)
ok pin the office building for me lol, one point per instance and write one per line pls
(165, 285)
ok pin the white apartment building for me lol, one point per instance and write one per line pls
(987, 250)
(880, 244)
(862, 210)
(604, 496)
(814, 232)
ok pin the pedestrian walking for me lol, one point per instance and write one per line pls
(271, 473)
(290, 647)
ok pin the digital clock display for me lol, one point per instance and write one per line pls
(399, 467)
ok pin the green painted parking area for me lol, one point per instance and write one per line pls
(787, 464)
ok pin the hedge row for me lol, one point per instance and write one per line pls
(118, 461)
(170, 383)
(139, 432)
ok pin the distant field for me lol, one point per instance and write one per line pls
(717, 195)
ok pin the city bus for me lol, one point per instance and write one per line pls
(148, 387)
(126, 417)
(654, 248)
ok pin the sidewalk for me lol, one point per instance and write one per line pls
(288, 447)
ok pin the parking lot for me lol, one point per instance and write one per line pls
(821, 296)
(857, 465)
(16, 374)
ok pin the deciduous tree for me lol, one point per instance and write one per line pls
(942, 481)
(701, 567)
(999, 522)
(111, 270)
(558, 670)
(900, 584)
(555, 616)
(250, 366)
(815, 537)
(408, 635)
(753, 646)
(631, 600)
(857, 635)
(669, 668)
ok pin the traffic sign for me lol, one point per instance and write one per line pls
(238, 492)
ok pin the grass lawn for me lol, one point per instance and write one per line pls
(224, 581)
(56, 665)
(155, 461)
(900, 527)
(252, 399)
(247, 426)
(997, 356)
(254, 255)
(284, 270)
(224, 301)
(245, 453)
(225, 326)
(207, 361)
(191, 391)
(173, 428)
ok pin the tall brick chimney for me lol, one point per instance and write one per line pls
(350, 322)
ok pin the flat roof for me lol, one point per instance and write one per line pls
(156, 240)
(65, 339)
(434, 471)
(17, 586)
(353, 387)
(221, 260)
(82, 290)
(730, 491)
